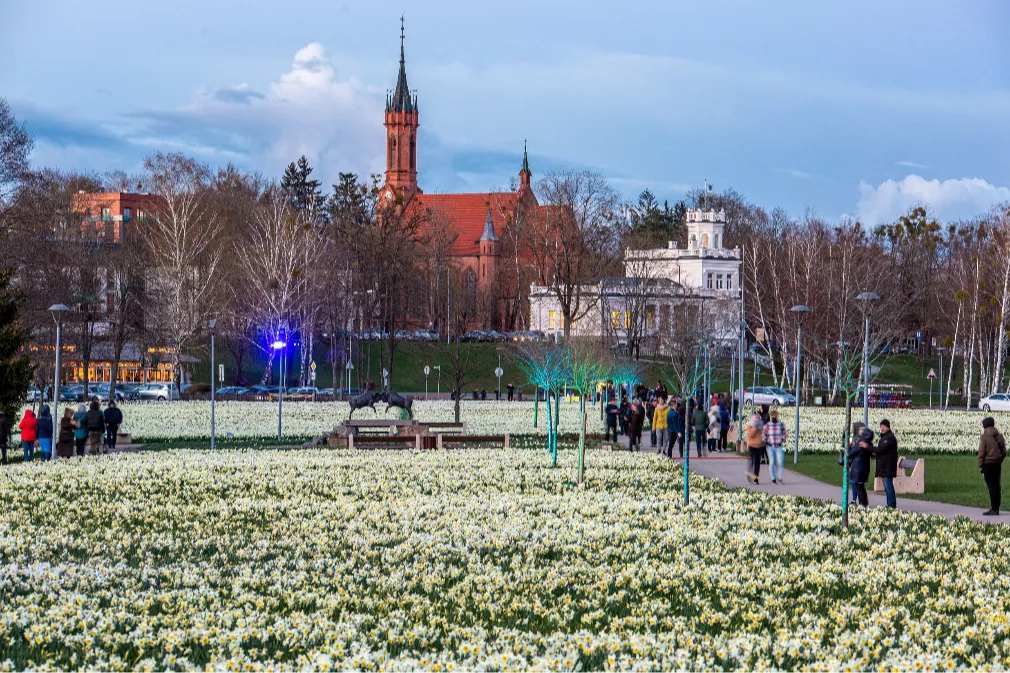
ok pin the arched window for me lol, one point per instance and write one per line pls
(413, 154)
(392, 152)
(704, 240)
(715, 241)
(694, 241)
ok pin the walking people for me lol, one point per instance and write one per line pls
(80, 430)
(724, 422)
(857, 428)
(65, 439)
(753, 435)
(699, 423)
(28, 426)
(650, 410)
(623, 415)
(44, 432)
(886, 454)
(636, 421)
(510, 388)
(611, 426)
(859, 464)
(113, 419)
(991, 453)
(713, 428)
(659, 425)
(5, 434)
(774, 436)
(675, 428)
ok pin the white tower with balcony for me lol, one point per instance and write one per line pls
(705, 229)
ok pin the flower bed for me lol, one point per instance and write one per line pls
(473, 560)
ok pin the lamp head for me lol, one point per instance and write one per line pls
(867, 296)
(800, 308)
(59, 308)
(212, 325)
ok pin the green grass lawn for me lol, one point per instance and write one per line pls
(952, 479)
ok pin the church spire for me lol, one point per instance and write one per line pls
(401, 100)
(525, 176)
(489, 234)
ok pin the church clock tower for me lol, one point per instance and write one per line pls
(401, 135)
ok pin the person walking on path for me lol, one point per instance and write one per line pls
(80, 430)
(991, 452)
(28, 427)
(611, 420)
(659, 424)
(44, 431)
(636, 418)
(623, 415)
(65, 440)
(774, 435)
(755, 446)
(650, 411)
(675, 428)
(94, 421)
(510, 389)
(699, 422)
(724, 421)
(5, 434)
(113, 419)
(713, 428)
(859, 464)
(886, 454)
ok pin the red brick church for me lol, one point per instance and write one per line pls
(476, 220)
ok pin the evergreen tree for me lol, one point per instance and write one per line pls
(15, 368)
(305, 193)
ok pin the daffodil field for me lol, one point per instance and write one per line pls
(473, 560)
(918, 430)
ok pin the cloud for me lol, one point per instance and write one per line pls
(910, 164)
(947, 200)
(793, 173)
(336, 123)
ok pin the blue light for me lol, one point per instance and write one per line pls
(277, 345)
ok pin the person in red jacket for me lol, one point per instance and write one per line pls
(28, 434)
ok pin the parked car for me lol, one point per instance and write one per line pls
(768, 395)
(162, 392)
(34, 394)
(405, 335)
(304, 390)
(326, 391)
(994, 402)
(101, 391)
(130, 391)
(231, 390)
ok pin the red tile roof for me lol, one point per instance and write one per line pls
(468, 213)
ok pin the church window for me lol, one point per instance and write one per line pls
(709, 285)
(413, 157)
(392, 152)
(718, 281)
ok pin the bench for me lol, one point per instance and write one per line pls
(384, 441)
(447, 428)
(906, 483)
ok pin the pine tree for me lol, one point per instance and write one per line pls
(305, 194)
(15, 368)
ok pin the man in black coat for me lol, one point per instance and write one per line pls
(94, 421)
(886, 453)
(113, 419)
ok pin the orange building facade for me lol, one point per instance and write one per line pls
(110, 216)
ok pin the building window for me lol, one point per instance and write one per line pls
(140, 215)
(709, 281)
(413, 157)
(729, 281)
(106, 214)
(650, 318)
(694, 241)
(470, 287)
(615, 319)
(392, 152)
(718, 281)
(126, 214)
(704, 240)
(553, 322)
(627, 320)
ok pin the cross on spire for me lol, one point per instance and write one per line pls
(401, 38)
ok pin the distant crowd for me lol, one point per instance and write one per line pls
(82, 430)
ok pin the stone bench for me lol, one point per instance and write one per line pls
(906, 483)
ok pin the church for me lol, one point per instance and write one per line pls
(474, 222)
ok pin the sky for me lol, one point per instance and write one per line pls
(858, 108)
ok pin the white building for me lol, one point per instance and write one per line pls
(639, 307)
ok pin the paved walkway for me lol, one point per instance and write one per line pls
(730, 468)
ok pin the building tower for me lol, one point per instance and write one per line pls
(525, 177)
(401, 133)
(489, 249)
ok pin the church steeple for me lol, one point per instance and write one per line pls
(525, 176)
(401, 131)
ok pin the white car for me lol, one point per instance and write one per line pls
(769, 395)
(995, 402)
(162, 392)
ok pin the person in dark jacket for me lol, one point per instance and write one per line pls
(5, 435)
(623, 414)
(699, 422)
(80, 430)
(724, 421)
(611, 420)
(886, 454)
(113, 419)
(44, 430)
(636, 419)
(94, 422)
(859, 464)
(991, 452)
(675, 429)
(65, 440)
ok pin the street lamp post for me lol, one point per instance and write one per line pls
(212, 327)
(279, 346)
(57, 310)
(800, 310)
(866, 297)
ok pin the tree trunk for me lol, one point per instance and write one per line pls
(953, 353)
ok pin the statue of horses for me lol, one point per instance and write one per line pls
(366, 399)
(393, 399)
